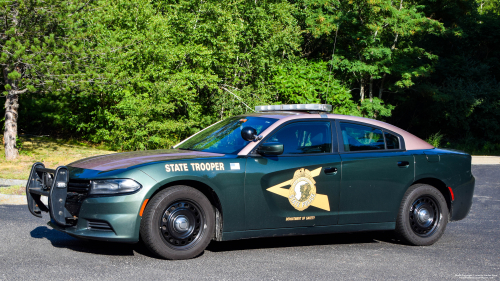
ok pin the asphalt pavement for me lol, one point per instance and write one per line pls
(469, 249)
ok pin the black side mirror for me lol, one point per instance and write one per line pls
(249, 134)
(270, 148)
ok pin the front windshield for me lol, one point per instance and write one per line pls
(225, 136)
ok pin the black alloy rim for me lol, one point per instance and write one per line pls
(425, 215)
(181, 224)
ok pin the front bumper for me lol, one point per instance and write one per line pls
(113, 218)
(73, 211)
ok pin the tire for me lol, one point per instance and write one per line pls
(178, 223)
(423, 215)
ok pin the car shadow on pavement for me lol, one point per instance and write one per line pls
(305, 240)
(62, 240)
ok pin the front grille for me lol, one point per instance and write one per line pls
(77, 192)
(79, 186)
(99, 225)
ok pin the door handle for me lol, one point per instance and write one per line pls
(403, 164)
(331, 170)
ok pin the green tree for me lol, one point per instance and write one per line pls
(374, 42)
(461, 97)
(303, 81)
(169, 68)
(488, 6)
(35, 55)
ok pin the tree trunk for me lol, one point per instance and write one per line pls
(362, 88)
(10, 133)
(371, 88)
(381, 89)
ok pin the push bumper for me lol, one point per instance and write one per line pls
(54, 185)
(108, 218)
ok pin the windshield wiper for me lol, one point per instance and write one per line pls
(188, 149)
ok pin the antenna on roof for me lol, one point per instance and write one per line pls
(331, 65)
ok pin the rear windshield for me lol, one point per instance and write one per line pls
(225, 137)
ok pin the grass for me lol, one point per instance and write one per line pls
(51, 152)
(13, 190)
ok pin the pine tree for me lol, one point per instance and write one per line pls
(35, 55)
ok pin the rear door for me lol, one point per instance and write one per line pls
(376, 170)
(298, 188)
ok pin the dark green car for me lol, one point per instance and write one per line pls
(286, 170)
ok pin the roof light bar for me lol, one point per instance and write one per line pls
(294, 107)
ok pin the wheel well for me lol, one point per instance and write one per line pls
(211, 196)
(439, 185)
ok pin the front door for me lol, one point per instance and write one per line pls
(298, 188)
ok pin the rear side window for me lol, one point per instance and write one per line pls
(359, 138)
(304, 138)
(392, 141)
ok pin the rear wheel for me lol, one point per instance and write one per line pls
(423, 215)
(178, 223)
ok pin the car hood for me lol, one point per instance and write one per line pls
(125, 160)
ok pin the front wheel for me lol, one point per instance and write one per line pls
(178, 223)
(423, 215)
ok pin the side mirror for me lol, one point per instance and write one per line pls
(270, 148)
(249, 134)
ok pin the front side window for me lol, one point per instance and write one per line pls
(225, 136)
(304, 138)
(360, 138)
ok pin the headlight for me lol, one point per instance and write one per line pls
(114, 186)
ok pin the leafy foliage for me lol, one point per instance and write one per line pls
(375, 39)
(174, 67)
(36, 53)
(435, 139)
(461, 97)
(145, 74)
(311, 82)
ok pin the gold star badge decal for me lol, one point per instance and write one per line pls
(302, 191)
